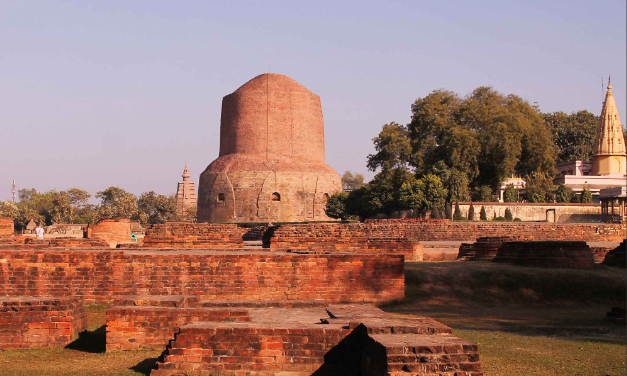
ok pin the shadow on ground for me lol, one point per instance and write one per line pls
(94, 341)
(145, 366)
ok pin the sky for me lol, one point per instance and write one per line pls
(120, 93)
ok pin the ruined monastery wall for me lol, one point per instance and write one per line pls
(100, 276)
(536, 212)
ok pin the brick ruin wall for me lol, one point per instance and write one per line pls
(34, 322)
(114, 231)
(192, 235)
(100, 276)
(352, 236)
(551, 254)
(6, 226)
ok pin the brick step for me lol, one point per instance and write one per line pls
(263, 303)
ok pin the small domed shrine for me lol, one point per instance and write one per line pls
(271, 165)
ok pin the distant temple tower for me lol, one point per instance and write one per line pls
(609, 148)
(185, 193)
(271, 165)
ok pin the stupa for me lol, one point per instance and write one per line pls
(271, 165)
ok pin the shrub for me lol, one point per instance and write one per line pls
(483, 215)
(458, 214)
(508, 215)
(435, 213)
(448, 211)
(471, 212)
(586, 196)
(517, 219)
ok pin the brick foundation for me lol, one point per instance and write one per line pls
(354, 339)
(114, 231)
(553, 254)
(28, 322)
(404, 236)
(193, 235)
(100, 276)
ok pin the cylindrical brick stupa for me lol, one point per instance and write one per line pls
(271, 165)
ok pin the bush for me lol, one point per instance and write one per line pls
(586, 196)
(471, 212)
(483, 215)
(458, 214)
(508, 215)
(517, 219)
(499, 219)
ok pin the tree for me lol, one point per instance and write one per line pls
(563, 194)
(458, 214)
(483, 215)
(393, 148)
(483, 194)
(155, 208)
(116, 202)
(573, 135)
(510, 194)
(336, 206)
(9, 209)
(508, 215)
(586, 196)
(539, 187)
(433, 190)
(351, 182)
(435, 213)
(471, 212)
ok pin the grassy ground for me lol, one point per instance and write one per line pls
(527, 321)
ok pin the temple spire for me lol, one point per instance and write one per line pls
(186, 174)
(609, 140)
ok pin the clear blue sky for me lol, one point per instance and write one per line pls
(95, 94)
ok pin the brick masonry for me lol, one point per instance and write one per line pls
(6, 226)
(28, 322)
(100, 276)
(193, 235)
(271, 165)
(354, 339)
(553, 254)
(114, 231)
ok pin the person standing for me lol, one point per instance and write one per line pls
(39, 231)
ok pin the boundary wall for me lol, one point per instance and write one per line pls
(551, 212)
(100, 276)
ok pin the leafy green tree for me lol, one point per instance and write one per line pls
(508, 215)
(336, 206)
(155, 208)
(434, 192)
(573, 135)
(471, 212)
(586, 196)
(483, 194)
(412, 195)
(393, 148)
(9, 209)
(510, 194)
(563, 194)
(483, 215)
(458, 214)
(351, 182)
(539, 188)
(116, 202)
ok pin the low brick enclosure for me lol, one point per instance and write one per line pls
(554, 254)
(404, 236)
(114, 231)
(100, 276)
(6, 226)
(28, 322)
(193, 235)
(616, 257)
(330, 340)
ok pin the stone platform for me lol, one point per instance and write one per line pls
(28, 322)
(335, 339)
